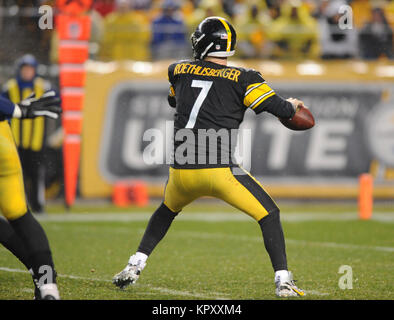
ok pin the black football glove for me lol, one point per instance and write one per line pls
(47, 105)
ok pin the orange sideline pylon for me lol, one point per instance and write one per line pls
(71, 152)
(120, 195)
(139, 193)
(365, 196)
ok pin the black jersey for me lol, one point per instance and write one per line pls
(210, 101)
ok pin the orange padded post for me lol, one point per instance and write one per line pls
(73, 28)
(365, 197)
(139, 193)
(72, 123)
(72, 76)
(73, 52)
(72, 99)
(120, 195)
(71, 153)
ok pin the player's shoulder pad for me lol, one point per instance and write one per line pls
(172, 66)
(249, 76)
(252, 73)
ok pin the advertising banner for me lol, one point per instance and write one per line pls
(354, 127)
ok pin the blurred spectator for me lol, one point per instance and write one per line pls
(96, 32)
(336, 42)
(104, 7)
(294, 32)
(142, 4)
(205, 8)
(376, 37)
(389, 12)
(361, 12)
(229, 7)
(273, 9)
(29, 134)
(126, 34)
(169, 33)
(251, 37)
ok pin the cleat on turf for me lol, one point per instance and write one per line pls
(130, 274)
(47, 292)
(285, 287)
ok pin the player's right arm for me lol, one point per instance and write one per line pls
(47, 105)
(259, 97)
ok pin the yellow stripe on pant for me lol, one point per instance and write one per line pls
(12, 192)
(241, 191)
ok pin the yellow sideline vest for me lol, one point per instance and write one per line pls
(28, 133)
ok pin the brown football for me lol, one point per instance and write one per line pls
(302, 119)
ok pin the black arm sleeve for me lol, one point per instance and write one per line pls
(171, 101)
(171, 96)
(277, 106)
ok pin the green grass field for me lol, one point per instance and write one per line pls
(213, 252)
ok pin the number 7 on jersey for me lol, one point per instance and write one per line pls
(205, 86)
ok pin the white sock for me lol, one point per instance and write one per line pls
(50, 289)
(282, 275)
(138, 258)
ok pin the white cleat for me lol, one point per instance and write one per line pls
(285, 287)
(129, 274)
(49, 292)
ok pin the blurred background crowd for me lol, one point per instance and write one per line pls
(151, 30)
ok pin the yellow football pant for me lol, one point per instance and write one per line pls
(12, 192)
(239, 190)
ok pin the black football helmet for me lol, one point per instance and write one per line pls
(214, 37)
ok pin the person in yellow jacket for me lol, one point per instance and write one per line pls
(29, 134)
(126, 34)
(204, 9)
(295, 32)
(252, 26)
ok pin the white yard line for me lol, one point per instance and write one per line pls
(223, 217)
(315, 293)
(206, 235)
(212, 295)
(208, 217)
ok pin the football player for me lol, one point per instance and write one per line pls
(20, 232)
(208, 94)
